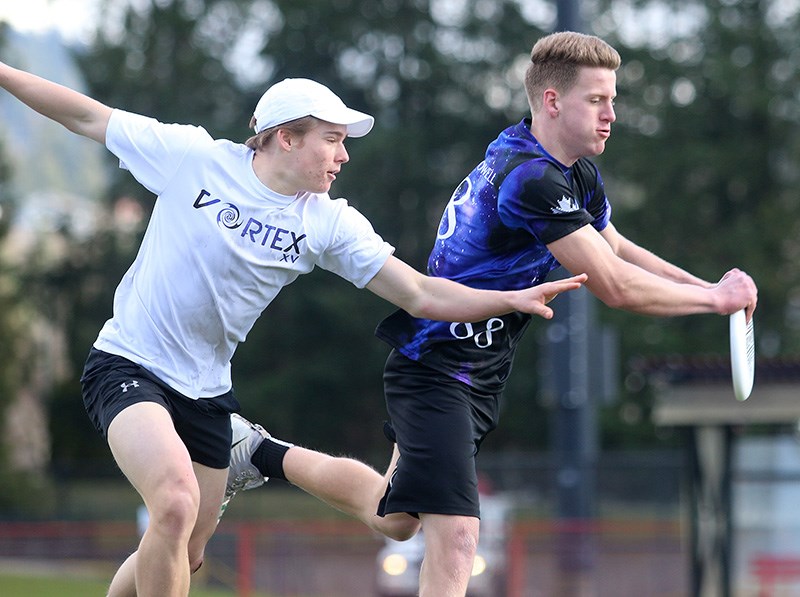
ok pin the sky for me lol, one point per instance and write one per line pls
(76, 21)
(71, 18)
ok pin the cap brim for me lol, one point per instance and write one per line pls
(358, 123)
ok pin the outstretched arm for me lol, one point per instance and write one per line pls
(633, 253)
(438, 298)
(77, 112)
(647, 284)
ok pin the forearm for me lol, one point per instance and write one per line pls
(430, 297)
(635, 289)
(625, 276)
(633, 253)
(445, 300)
(622, 285)
(75, 111)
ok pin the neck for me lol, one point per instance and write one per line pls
(266, 169)
(550, 142)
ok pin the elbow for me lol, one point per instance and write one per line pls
(617, 290)
(425, 308)
(616, 302)
(420, 311)
(623, 305)
(629, 302)
(616, 298)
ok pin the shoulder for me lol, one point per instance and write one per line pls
(338, 216)
(132, 126)
(324, 204)
(536, 171)
(587, 169)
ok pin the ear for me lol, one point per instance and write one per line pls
(550, 102)
(285, 139)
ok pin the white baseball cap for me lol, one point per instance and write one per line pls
(291, 99)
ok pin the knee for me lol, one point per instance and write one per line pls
(175, 510)
(464, 539)
(466, 542)
(457, 541)
(402, 529)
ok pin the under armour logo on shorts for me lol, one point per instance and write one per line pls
(125, 386)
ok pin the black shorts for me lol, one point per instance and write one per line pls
(439, 424)
(111, 383)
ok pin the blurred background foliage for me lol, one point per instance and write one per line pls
(702, 169)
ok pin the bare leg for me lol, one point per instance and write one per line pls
(124, 582)
(212, 482)
(212, 488)
(349, 486)
(155, 461)
(450, 546)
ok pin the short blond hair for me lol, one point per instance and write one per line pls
(297, 127)
(557, 58)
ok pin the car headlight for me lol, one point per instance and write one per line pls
(395, 564)
(478, 565)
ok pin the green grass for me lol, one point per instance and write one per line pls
(13, 585)
(32, 586)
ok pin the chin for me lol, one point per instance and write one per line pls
(599, 148)
(320, 188)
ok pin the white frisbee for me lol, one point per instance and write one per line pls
(743, 355)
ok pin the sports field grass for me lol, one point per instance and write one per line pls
(12, 585)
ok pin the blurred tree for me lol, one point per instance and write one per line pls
(78, 291)
(703, 167)
(705, 141)
(19, 469)
(7, 300)
(163, 59)
(6, 210)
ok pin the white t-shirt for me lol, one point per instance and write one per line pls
(218, 248)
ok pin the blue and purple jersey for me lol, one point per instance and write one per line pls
(494, 235)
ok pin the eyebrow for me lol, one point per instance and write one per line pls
(601, 95)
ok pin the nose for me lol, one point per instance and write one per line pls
(342, 156)
(610, 115)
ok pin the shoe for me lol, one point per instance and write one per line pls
(242, 474)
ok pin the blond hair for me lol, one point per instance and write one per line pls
(297, 127)
(557, 58)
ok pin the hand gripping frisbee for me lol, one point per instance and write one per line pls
(743, 355)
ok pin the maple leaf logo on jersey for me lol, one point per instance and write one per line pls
(565, 205)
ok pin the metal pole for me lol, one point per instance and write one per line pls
(574, 443)
(573, 425)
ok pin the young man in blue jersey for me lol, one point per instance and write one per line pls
(232, 225)
(534, 202)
